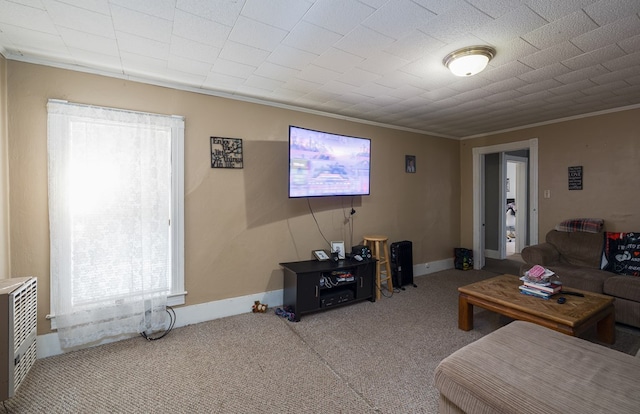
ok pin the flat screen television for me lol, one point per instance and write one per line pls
(322, 164)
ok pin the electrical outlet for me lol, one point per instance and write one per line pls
(547, 193)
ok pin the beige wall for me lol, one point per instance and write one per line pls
(5, 262)
(608, 148)
(239, 224)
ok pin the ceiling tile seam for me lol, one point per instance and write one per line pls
(280, 43)
(335, 45)
(32, 29)
(172, 21)
(34, 8)
(80, 8)
(201, 17)
(31, 6)
(264, 23)
(420, 5)
(520, 61)
(66, 46)
(77, 6)
(312, 24)
(147, 52)
(122, 69)
(480, 10)
(199, 43)
(589, 16)
(371, 16)
(537, 14)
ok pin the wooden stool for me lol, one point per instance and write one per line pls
(380, 251)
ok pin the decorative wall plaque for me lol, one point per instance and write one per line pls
(226, 152)
(575, 178)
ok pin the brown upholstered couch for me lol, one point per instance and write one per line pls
(575, 257)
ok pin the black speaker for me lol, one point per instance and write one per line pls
(401, 263)
(361, 250)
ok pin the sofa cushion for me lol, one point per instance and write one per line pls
(626, 287)
(627, 312)
(578, 248)
(578, 277)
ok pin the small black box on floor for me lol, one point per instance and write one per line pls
(463, 258)
(401, 263)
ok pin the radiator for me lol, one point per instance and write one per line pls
(18, 331)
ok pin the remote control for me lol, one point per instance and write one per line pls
(564, 292)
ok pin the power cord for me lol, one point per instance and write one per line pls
(316, 220)
(172, 322)
(349, 220)
(382, 291)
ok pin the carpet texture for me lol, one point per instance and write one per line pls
(362, 358)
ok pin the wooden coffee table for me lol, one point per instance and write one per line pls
(500, 294)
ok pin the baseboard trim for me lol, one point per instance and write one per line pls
(49, 345)
(423, 269)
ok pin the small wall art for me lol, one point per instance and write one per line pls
(575, 177)
(226, 152)
(410, 163)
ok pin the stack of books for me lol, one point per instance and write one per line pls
(542, 290)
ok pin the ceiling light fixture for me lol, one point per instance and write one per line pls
(469, 60)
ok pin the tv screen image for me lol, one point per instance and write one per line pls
(322, 164)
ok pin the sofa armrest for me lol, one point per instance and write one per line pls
(543, 254)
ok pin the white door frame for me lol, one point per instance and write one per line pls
(478, 193)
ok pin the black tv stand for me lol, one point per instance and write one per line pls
(311, 286)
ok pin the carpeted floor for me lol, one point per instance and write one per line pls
(362, 358)
(509, 266)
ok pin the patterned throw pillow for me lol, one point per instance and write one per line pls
(589, 225)
(621, 253)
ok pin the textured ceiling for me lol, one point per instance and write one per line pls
(374, 60)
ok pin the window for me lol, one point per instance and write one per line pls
(116, 198)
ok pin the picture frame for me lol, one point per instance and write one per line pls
(410, 164)
(320, 255)
(338, 247)
(226, 152)
(575, 177)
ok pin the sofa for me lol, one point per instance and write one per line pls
(575, 257)
(526, 368)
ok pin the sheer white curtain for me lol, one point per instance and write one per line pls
(109, 217)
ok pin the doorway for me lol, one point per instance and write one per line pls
(480, 188)
(517, 200)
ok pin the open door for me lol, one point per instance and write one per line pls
(516, 204)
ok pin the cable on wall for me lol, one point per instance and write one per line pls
(348, 219)
(316, 220)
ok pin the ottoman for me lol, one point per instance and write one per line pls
(526, 368)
